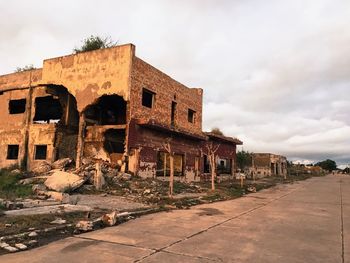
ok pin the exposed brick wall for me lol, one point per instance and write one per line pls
(144, 75)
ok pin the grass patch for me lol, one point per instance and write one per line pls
(9, 187)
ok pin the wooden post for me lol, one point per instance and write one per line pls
(80, 145)
(241, 177)
(171, 183)
(165, 157)
(98, 180)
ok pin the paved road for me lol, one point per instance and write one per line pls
(303, 222)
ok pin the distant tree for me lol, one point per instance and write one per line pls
(210, 150)
(346, 170)
(25, 68)
(244, 159)
(328, 165)
(95, 42)
(217, 131)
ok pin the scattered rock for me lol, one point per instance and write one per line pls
(62, 163)
(38, 187)
(58, 221)
(3, 244)
(147, 191)
(84, 226)
(61, 197)
(27, 181)
(21, 246)
(16, 171)
(10, 249)
(8, 225)
(110, 219)
(31, 229)
(42, 167)
(251, 189)
(33, 234)
(125, 176)
(63, 182)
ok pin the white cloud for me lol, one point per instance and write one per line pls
(275, 73)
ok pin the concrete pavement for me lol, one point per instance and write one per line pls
(303, 222)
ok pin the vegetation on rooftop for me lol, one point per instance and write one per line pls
(95, 42)
(25, 68)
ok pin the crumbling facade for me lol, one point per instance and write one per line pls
(268, 164)
(107, 105)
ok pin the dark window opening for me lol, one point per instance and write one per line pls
(109, 110)
(40, 152)
(191, 116)
(173, 112)
(224, 166)
(114, 141)
(147, 98)
(163, 164)
(12, 152)
(206, 164)
(47, 110)
(17, 106)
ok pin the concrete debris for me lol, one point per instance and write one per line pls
(58, 221)
(3, 244)
(147, 191)
(42, 167)
(11, 249)
(38, 187)
(110, 219)
(8, 225)
(62, 163)
(63, 181)
(84, 226)
(16, 171)
(21, 246)
(125, 176)
(52, 209)
(33, 234)
(251, 189)
(27, 181)
(13, 205)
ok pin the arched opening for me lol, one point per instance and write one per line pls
(56, 106)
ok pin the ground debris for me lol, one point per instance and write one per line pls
(64, 182)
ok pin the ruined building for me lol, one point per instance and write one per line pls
(107, 105)
(267, 164)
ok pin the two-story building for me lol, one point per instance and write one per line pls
(106, 104)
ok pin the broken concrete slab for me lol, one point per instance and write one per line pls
(21, 246)
(62, 163)
(63, 182)
(42, 167)
(11, 249)
(58, 221)
(66, 208)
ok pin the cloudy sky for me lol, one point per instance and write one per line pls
(276, 73)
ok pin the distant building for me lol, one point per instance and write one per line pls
(268, 164)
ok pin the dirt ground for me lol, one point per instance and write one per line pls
(135, 194)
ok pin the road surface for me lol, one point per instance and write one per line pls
(303, 222)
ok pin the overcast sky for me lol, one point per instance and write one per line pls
(275, 73)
